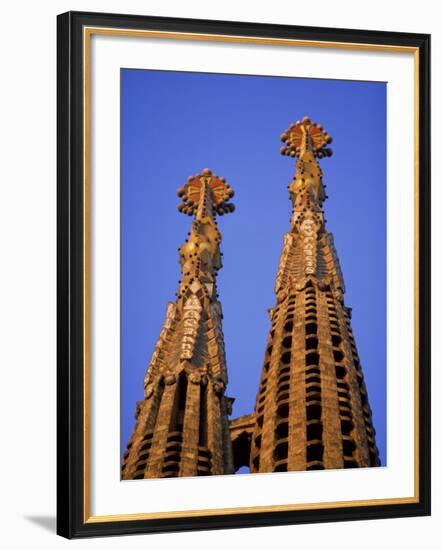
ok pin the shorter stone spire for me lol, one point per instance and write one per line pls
(181, 425)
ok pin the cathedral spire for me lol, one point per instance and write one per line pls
(312, 409)
(182, 424)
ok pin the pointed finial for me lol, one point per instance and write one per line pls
(194, 194)
(305, 136)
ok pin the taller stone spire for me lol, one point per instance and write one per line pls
(182, 423)
(312, 409)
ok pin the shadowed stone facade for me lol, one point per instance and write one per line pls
(312, 409)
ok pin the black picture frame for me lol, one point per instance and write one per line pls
(71, 520)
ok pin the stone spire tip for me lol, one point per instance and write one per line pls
(304, 136)
(205, 190)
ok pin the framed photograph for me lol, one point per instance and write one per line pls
(243, 274)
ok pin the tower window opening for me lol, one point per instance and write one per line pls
(283, 378)
(141, 465)
(286, 357)
(344, 404)
(316, 466)
(311, 328)
(313, 399)
(336, 340)
(175, 436)
(282, 397)
(287, 342)
(345, 414)
(314, 412)
(288, 327)
(281, 451)
(338, 355)
(284, 370)
(282, 430)
(313, 369)
(344, 393)
(172, 457)
(281, 467)
(315, 451)
(283, 388)
(314, 431)
(346, 426)
(311, 343)
(313, 387)
(171, 468)
(204, 452)
(283, 410)
(313, 377)
(312, 358)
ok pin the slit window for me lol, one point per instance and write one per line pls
(311, 343)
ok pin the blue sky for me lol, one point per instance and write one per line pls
(173, 125)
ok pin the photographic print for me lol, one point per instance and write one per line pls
(243, 274)
(272, 363)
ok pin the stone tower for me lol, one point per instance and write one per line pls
(182, 424)
(312, 409)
